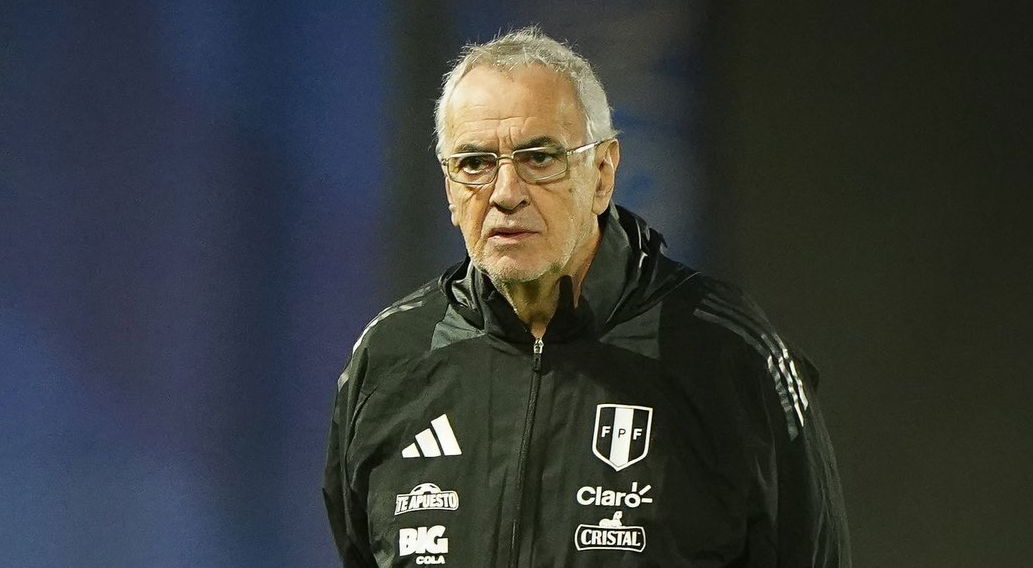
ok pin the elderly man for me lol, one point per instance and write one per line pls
(567, 395)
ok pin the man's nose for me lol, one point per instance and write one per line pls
(510, 192)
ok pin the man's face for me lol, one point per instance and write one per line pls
(517, 231)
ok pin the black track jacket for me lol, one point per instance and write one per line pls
(661, 422)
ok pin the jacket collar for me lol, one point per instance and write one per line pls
(626, 276)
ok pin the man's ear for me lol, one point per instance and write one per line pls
(453, 216)
(607, 177)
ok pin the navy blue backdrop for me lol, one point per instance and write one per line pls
(202, 205)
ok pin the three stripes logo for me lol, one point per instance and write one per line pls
(435, 441)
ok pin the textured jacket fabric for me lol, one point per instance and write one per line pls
(660, 422)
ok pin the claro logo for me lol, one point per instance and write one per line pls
(609, 498)
(429, 542)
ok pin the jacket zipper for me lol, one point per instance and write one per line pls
(525, 447)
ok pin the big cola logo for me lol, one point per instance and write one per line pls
(428, 542)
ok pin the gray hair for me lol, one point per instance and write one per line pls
(529, 46)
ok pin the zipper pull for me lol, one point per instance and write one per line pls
(537, 360)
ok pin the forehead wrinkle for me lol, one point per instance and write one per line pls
(484, 122)
(512, 131)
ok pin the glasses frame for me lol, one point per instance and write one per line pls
(499, 157)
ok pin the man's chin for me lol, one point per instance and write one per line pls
(510, 271)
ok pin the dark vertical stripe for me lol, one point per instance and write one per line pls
(416, 230)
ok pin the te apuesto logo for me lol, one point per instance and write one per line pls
(426, 497)
(428, 542)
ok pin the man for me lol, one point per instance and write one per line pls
(568, 396)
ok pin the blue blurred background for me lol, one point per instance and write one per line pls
(203, 203)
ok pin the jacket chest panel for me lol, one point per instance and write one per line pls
(617, 457)
(631, 464)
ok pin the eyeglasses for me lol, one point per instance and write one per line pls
(533, 165)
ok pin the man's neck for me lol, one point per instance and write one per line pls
(536, 302)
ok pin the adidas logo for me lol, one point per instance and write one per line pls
(427, 441)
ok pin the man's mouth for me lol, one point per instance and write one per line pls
(509, 234)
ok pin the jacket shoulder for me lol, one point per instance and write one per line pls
(405, 324)
(707, 300)
(730, 318)
(400, 331)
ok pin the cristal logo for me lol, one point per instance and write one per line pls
(428, 542)
(610, 534)
(609, 498)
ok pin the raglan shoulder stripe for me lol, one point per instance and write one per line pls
(412, 301)
(757, 332)
(760, 325)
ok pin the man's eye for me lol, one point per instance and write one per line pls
(473, 164)
(539, 159)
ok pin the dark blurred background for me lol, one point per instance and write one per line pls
(203, 203)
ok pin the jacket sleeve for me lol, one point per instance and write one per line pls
(795, 512)
(810, 519)
(345, 508)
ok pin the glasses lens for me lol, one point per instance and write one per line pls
(472, 168)
(536, 164)
(532, 165)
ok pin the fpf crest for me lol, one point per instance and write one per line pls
(621, 434)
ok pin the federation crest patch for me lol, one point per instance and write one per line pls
(621, 435)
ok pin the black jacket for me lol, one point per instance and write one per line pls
(661, 422)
